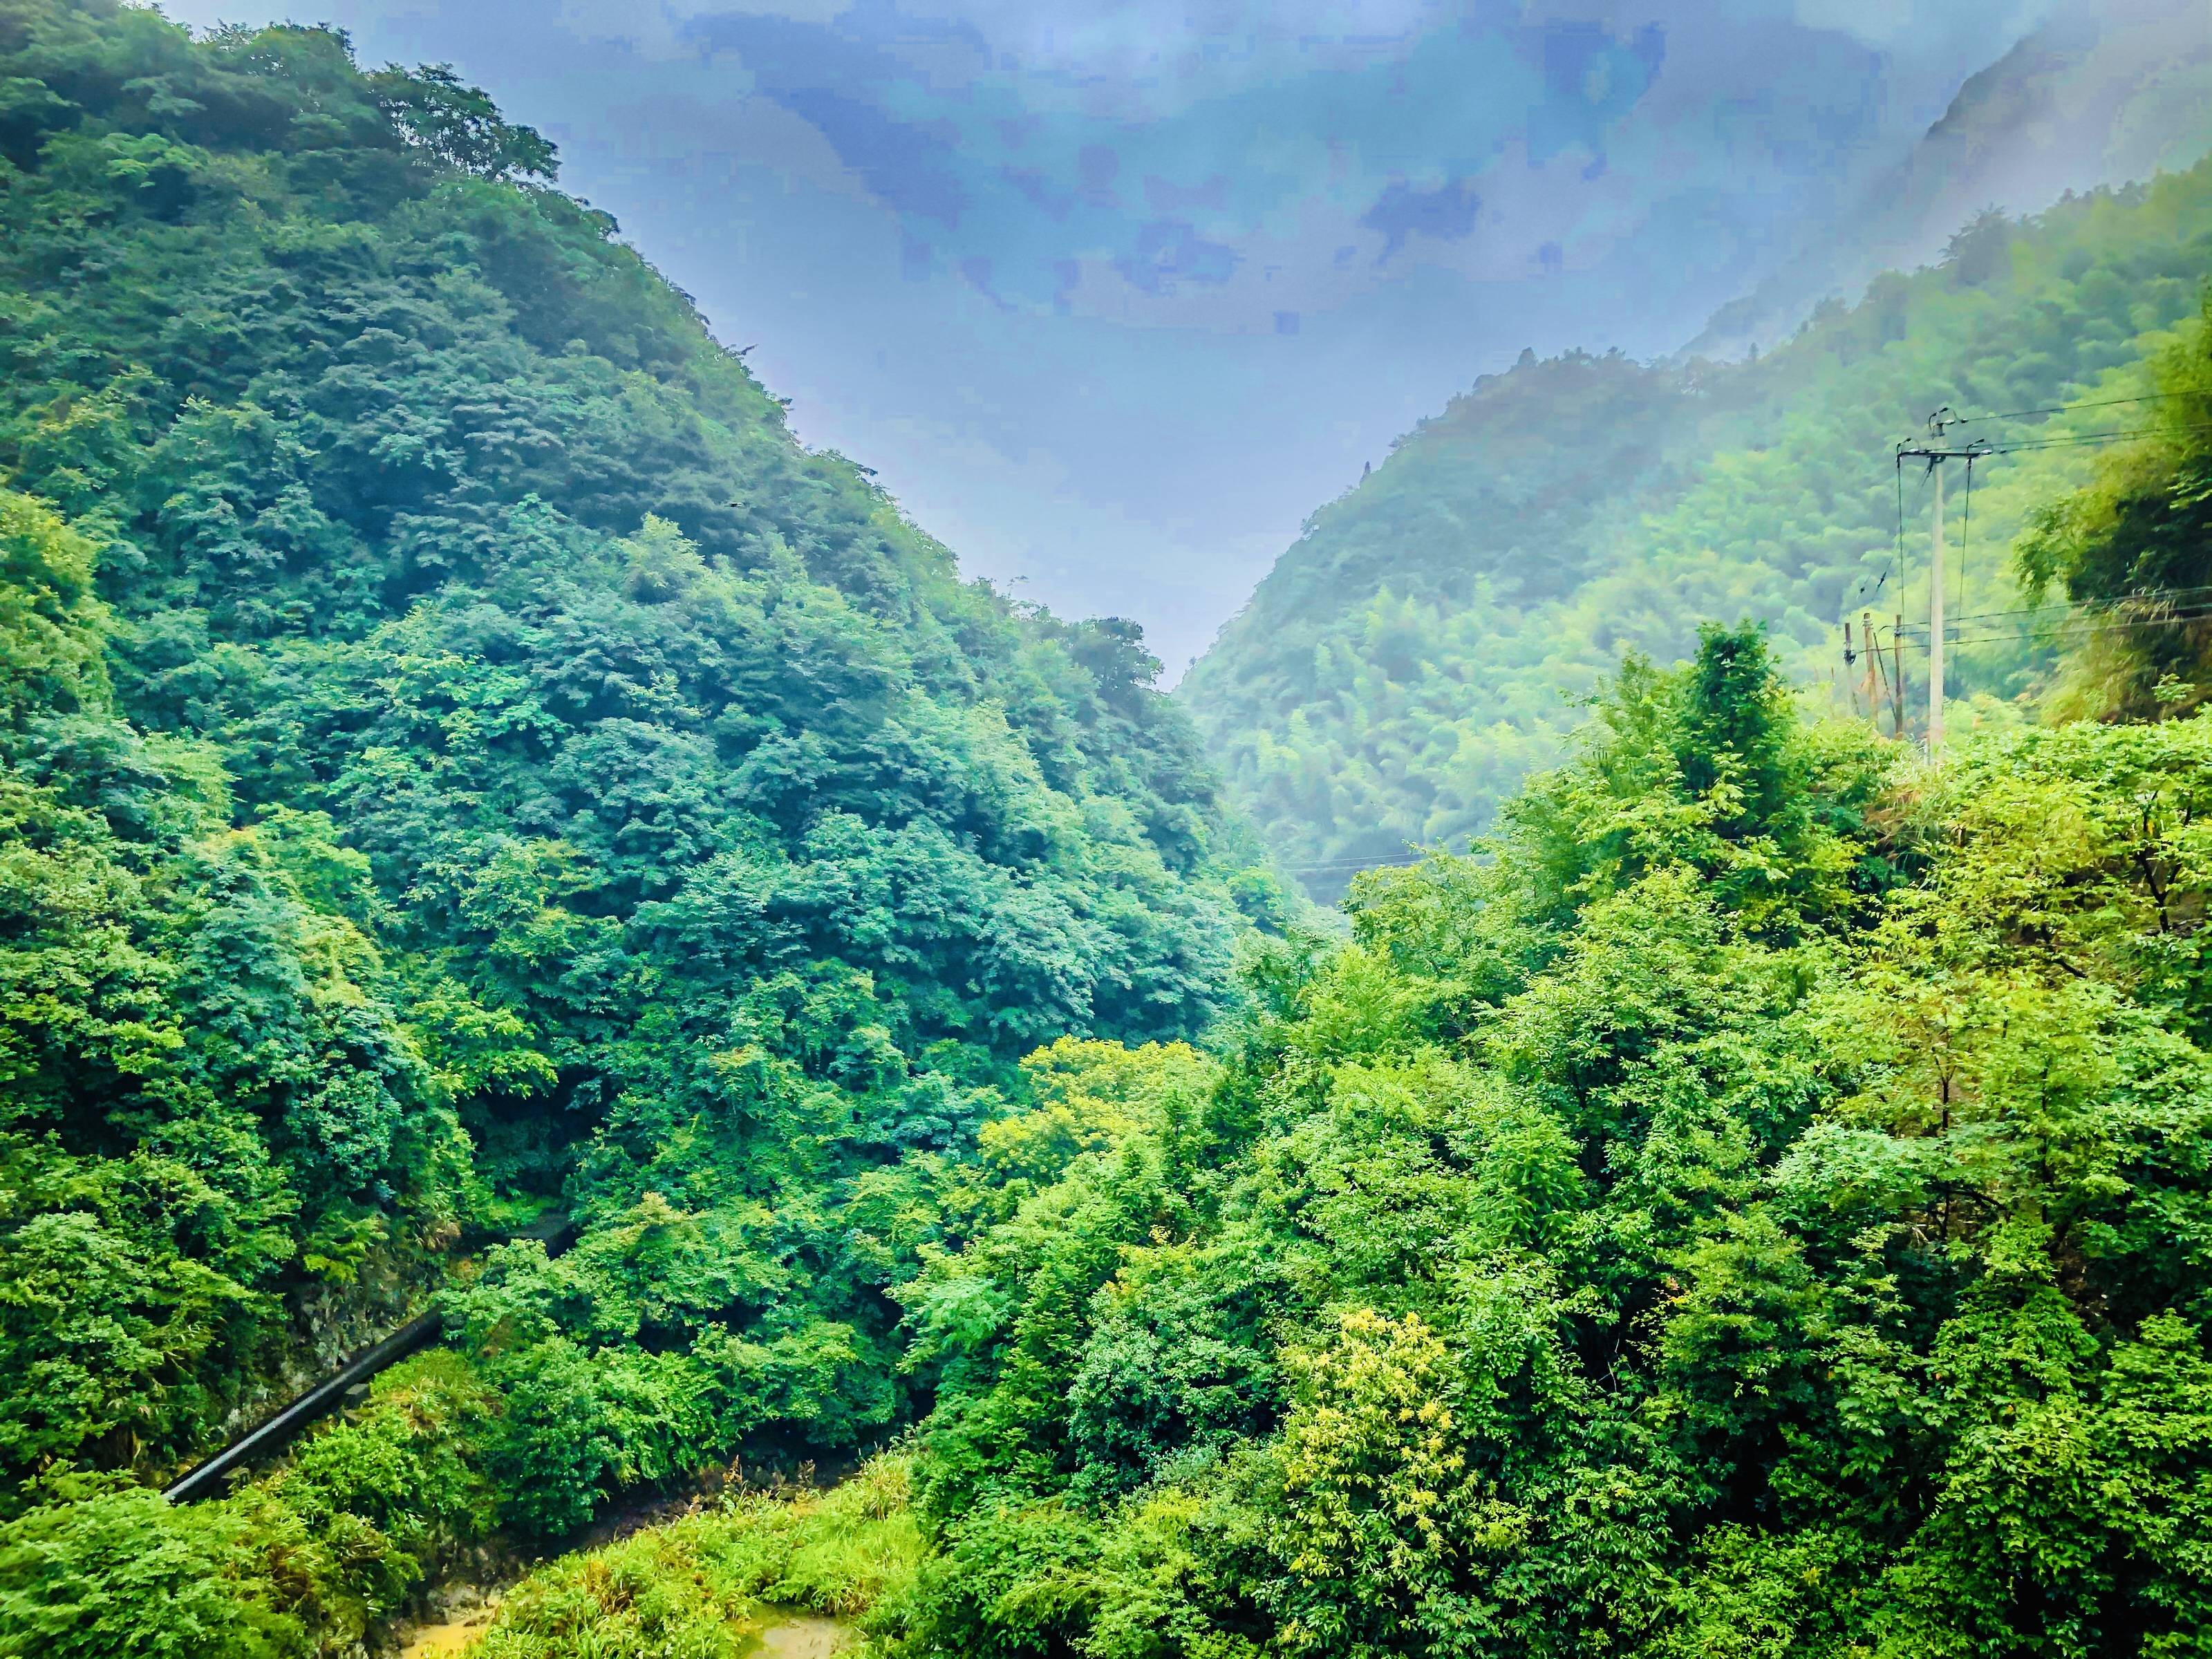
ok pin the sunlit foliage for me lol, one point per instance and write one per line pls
(1757, 1206)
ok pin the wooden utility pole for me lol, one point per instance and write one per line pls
(1873, 661)
(1935, 586)
(1935, 453)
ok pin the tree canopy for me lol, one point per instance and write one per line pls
(462, 759)
(1755, 1205)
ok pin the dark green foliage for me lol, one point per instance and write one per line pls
(208, 1093)
(123, 1573)
(459, 758)
(2135, 548)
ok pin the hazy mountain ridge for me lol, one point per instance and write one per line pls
(1416, 652)
(2085, 103)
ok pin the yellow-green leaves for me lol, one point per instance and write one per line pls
(51, 650)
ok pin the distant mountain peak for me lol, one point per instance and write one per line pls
(2096, 98)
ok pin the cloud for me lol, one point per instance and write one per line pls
(1205, 164)
(1168, 251)
(1445, 213)
(1214, 163)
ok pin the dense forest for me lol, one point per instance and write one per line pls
(493, 824)
(464, 764)
(1759, 1206)
(1422, 648)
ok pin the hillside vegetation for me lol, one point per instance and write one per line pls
(1423, 647)
(2096, 96)
(467, 777)
(1760, 1207)
(460, 759)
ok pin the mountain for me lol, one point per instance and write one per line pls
(463, 762)
(467, 775)
(2098, 97)
(1419, 650)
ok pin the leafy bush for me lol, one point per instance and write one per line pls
(124, 1572)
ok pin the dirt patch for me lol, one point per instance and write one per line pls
(460, 1614)
(787, 1635)
(447, 1637)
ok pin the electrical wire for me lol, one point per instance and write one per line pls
(1398, 861)
(1328, 872)
(2061, 630)
(2045, 616)
(1897, 559)
(2061, 607)
(2029, 445)
(2063, 625)
(2068, 604)
(1362, 864)
(2063, 408)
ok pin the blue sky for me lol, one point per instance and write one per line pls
(1113, 295)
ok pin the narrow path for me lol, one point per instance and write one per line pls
(794, 1635)
(784, 1633)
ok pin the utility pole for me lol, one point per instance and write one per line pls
(1936, 583)
(1873, 661)
(1897, 677)
(1935, 453)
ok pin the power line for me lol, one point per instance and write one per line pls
(2025, 447)
(1336, 866)
(2064, 606)
(1896, 560)
(1937, 634)
(2096, 438)
(1966, 537)
(2030, 628)
(2068, 630)
(2063, 408)
(1354, 864)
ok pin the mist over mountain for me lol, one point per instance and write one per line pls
(1422, 648)
(1111, 293)
(2098, 96)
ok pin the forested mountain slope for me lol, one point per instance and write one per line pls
(458, 757)
(1419, 651)
(1758, 1207)
(461, 757)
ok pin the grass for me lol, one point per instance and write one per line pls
(696, 1588)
